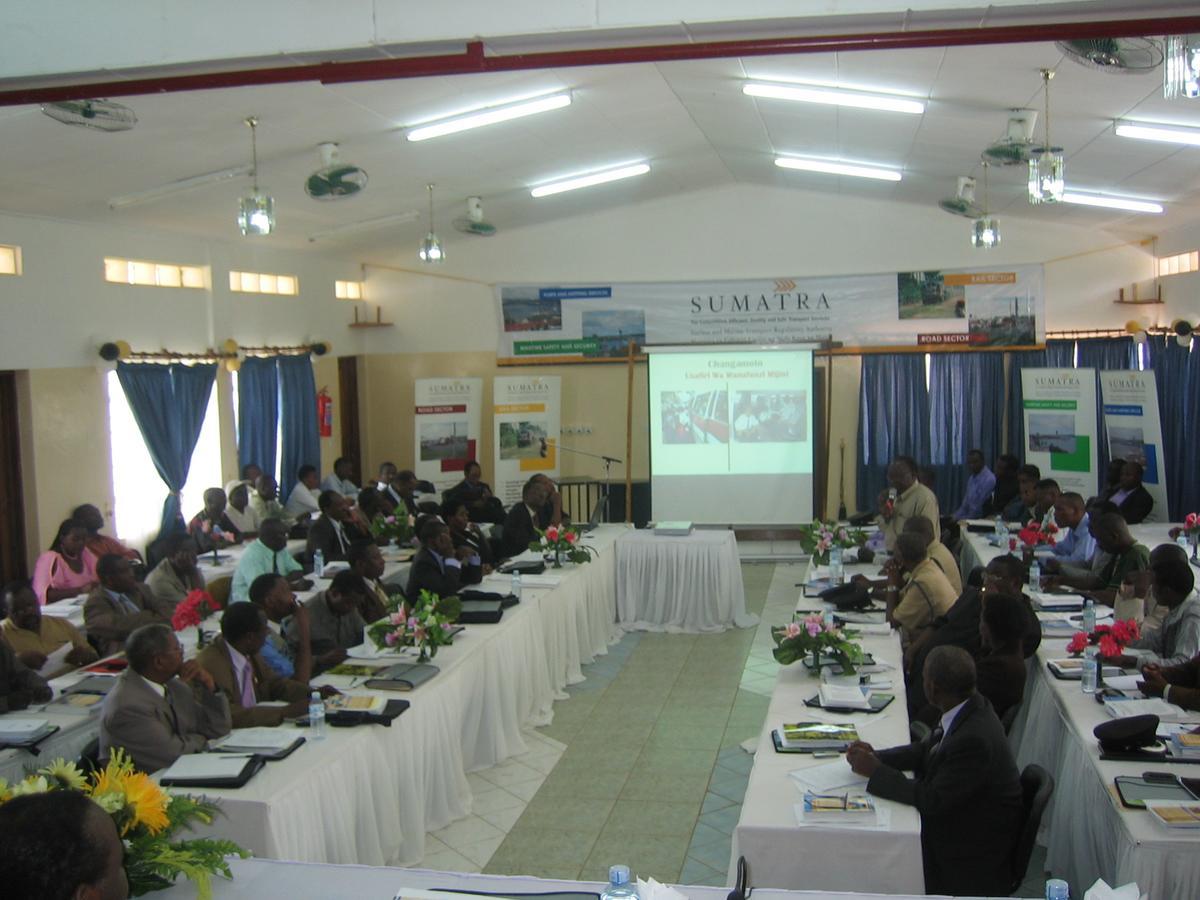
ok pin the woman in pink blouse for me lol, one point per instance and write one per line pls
(68, 568)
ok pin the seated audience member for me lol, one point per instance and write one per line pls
(481, 505)
(938, 552)
(911, 498)
(68, 568)
(90, 518)
(60, 845)
(1112, 479)
(927, 476)
(1136, 597)
(334, 620)
(333, 532)
(400, 493)
(278, 601)
(465, 533)
(238, 509)
(387, 471)
(251, 473)
(521, 524)
(1123, 555)
(161, 707)
(438, 567)
(1078, 546)
(925, 596)
(370, 504)
(19, 684)
(1046, 493)
(1000, 668)
(1178, 638)
(267, 554)
(1131, 498)
(211, 528)
(264, 502)
(302, 502)
(178, 573)
(551, 512)
(367, 563)
(240, 673)
(965, 784)
(341, 479)
(36, 638)
(119, 605)
(1006, 485)
(980, 485)
(1176, 684)
(1020, 508)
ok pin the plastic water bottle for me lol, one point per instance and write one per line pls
(619, 885)
(319, 563)
(1091, 671)
(1000, 531)
(316, 716)
(515, 590)
(1089, 616)
(1182, 540)
(837, 570)
(827, 616)
(1057, 889)
(1035, 575)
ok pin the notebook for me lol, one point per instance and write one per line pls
(402, 677)
(214, 770)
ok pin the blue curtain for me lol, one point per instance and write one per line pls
(893, 418)
(298, 419)
(965, 390)
(1170, 363)
(1057, 355)
(1189, 499)
(1105, 354)
(168, 404)
(258, 412)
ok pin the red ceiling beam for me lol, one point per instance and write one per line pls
(474, 60)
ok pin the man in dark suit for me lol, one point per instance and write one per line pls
(120, 604)
(521, 523)
(333, 532)
(438, 567)
(966, 788)
(161, 707)
(1131, 498)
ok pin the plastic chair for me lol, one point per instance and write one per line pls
(1036, 787)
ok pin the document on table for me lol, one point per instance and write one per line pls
(1123, 682)
(56, 660)
(206, 765)
(841, 696)
(1123, 709)
(255, 739)
(828, 777)
(883, 821)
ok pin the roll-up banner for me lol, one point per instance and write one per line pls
(1060, 426)
(984, 307)
(446, 427)
(527, 416)
(1135, 431)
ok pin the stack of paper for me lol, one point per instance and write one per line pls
(205, 767)
(1175, 815)
(830, 776)
(842, 697)
(255, 740)
(1042, 600)
(1124, 709)
(19, 730)
(1186, 745)
(64, 609)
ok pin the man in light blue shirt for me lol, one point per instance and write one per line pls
(267, 555)
(341, 479)
(980, 485)
(1078, 546)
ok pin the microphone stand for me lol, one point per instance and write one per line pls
(608, 461)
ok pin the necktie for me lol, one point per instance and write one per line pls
(275, 563)
(935, 739)
(130, 606)
(174, 715)
(248, 698)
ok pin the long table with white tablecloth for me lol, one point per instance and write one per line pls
(1088, 834)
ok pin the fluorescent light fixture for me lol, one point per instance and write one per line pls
(1167, 133)
(178, 187)
(582, 181)
(1106, 202)
(805, 93)
(366, 225)
(489, 115)
(836, 168)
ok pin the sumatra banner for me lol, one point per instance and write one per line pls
(1134, 430)
(446, 420)
(1060, 426)
(526, 413)
(985, 307)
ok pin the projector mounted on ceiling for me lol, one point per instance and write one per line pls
(100, 115)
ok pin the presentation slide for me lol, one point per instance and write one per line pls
(731, 434)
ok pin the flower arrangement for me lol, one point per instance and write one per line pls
(1035, 533)
(818, 538)
(398, 528)
(147, 819)
(562, 541)
(812, 637)
(1191, 524)
(422, 624)
(193, 610)
(1110, 639)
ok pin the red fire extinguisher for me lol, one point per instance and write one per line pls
(325, 413)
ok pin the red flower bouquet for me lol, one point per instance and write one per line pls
(1037, 533)
(193, 610)
(1110, 640)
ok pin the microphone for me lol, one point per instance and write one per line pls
(741, 888)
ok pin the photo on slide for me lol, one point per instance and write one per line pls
(525, 310)
(1052, 432)
(775, 417)
(925, 295)
(523, 440)
(1127, 442)
(695, 417)
(1002, 322)
(444, 440)
(612, 330)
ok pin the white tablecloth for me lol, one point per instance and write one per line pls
(781, 854)
(688, 584)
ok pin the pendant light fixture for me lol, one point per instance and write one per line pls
(1046, 165)
(256, 212)
(985, 231)
(431, 248)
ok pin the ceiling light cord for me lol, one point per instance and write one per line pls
(1047, 74)
(252, 121)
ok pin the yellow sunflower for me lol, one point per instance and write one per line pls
(5, 793)
(64, 775)
(147, 801)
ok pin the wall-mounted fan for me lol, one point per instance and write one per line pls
(100, 115)
(1123, 56)
(472, 222)
(963, 202)
(1013, 149)
(335, 179)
